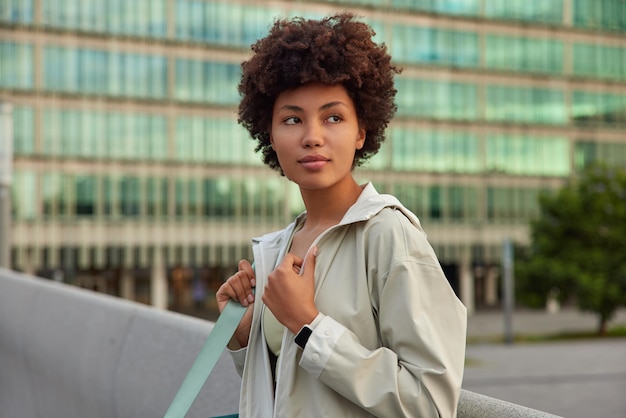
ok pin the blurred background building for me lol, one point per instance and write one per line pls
(132, 177)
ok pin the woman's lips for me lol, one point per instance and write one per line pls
(313, 162)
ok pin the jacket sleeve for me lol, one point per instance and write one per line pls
(419, 368)
(239, 358)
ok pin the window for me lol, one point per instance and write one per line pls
(436, 46)
(156, 197)
(605, 14)
(529, 156)
(16, 65)
(456, 203)
(594, 107)
(52, 192)
(545, 11)
(435, 200)
(538, 55)
(211, 82)
(23, 134)
(599, 61)
(111, 196)
(24, 192)
(89, 71)
(588, 152)
(435, 151)
(411, 196)
(436, 99)
(16, 11)
(219, 197)
(524, 105)
(85, 195)
(137, 18)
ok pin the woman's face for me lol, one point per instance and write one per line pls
(315, 133)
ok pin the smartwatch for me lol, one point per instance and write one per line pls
(303, 336)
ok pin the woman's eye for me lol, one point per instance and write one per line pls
(334, 119)
(292, 120)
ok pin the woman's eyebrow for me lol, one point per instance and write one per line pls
(332, 104)
(295, 108)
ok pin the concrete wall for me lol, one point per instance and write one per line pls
(66, 352)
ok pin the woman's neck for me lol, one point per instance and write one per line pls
(327, 207)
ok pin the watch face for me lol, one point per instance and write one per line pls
(303, 336)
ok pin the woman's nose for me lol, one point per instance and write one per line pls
(313, 136)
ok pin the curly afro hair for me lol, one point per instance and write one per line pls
(335, 50)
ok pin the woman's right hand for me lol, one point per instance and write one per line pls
(239, 287)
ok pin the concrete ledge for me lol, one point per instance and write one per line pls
(66, 352)
(474, 405)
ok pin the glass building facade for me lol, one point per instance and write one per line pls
(128, 154)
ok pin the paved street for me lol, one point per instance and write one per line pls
(573, 379)
(579, 379)
(484, 324)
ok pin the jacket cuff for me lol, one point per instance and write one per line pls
(239, 358)
(321, 344)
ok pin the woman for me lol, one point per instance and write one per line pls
(353, 316)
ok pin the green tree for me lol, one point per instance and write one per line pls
(578, 245)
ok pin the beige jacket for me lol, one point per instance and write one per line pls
(391, 341)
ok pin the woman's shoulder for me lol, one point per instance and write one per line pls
(394, 219)
(380, 208)
(392, 234)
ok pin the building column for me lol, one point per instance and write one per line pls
(5, 226)
(28, 259)
(491, 285)
(567, 13)
(158, 281)
(127, 284)
(466, 284)
(6, 182)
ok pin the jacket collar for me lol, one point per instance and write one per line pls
(369, 203)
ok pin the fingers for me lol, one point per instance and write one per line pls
(294, 261)
(298, 263)
(244, 265)
(290, 290)
(309, 261)
(239, 285)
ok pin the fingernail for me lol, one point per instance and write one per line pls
(250, 298)
(253, 282)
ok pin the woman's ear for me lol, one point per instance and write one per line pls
(360, 140)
